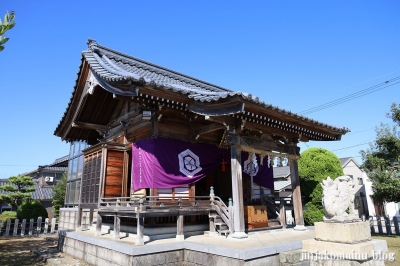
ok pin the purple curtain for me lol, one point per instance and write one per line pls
(169, 163)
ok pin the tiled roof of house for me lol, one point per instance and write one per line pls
(2, 183)
(346, 160)
(111, 66)
(282, 171)
(280, 185)
(61, 160)
(40, 193)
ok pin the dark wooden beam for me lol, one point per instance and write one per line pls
(207, 129)
(85, 125)
(268, 145)
(257, 143)
(224, 120)
(216, 108)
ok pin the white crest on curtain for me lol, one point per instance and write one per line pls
(250, 166)
(189, 163)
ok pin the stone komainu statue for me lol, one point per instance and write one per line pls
(337, 198)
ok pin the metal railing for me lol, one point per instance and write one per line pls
(383, 225)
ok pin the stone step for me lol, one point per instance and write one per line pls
(224, 232)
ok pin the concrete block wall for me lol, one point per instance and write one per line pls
(97, 255)
(68, 219)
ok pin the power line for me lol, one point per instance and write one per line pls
(353, 96)
(359, 131)
(351, 146)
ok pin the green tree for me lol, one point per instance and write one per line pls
(7, 24)
(315, 165)
(381, 160)
(59, 194)
(31, 209)
(394, 113)
(18, 190)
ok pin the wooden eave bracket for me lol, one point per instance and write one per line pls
(216, 108)
(207, 129)
(91, 126)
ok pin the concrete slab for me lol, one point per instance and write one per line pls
(257, 245)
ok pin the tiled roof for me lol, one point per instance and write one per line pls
(111, 66)
(280, 185)
(282, 171)
(346, 160)
(2, 183)
(61, 160)
(40, 193)
(59, 165)
(55, 169)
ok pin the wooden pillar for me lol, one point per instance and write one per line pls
(139, 231)
(179, 228)
(79, 220)
(282, 213)
(98, 224)
(296, 195)
(237, 191)
(117, 226)
(91, 217)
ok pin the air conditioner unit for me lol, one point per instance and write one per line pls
(48, 179)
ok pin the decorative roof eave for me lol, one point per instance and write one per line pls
(109, 74)
(61, 124)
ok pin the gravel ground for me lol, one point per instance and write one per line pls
(34, 250)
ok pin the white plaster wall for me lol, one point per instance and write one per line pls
(392, 209)
(369, 193)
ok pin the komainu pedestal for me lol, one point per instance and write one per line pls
(343, 239)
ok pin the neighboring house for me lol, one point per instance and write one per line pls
(363, 187)
(363, 202)
(282, 182)
(4, 206)
(45, 178)
(364, 190)
(283, 188)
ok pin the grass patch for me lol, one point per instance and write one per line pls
(393, 243)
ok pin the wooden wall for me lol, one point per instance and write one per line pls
(114, 173)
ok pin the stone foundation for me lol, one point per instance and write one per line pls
(347, 244)
(343, 232)
(105, 252)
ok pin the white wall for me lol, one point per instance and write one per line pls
(369, 193)
(392, 209)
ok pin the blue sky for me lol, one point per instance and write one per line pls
(292, 54)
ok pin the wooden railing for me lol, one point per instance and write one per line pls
(152, 202)
(161, 205)
(224, 212)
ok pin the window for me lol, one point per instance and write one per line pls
(360, 181)
(75, 169)
(357, 202)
